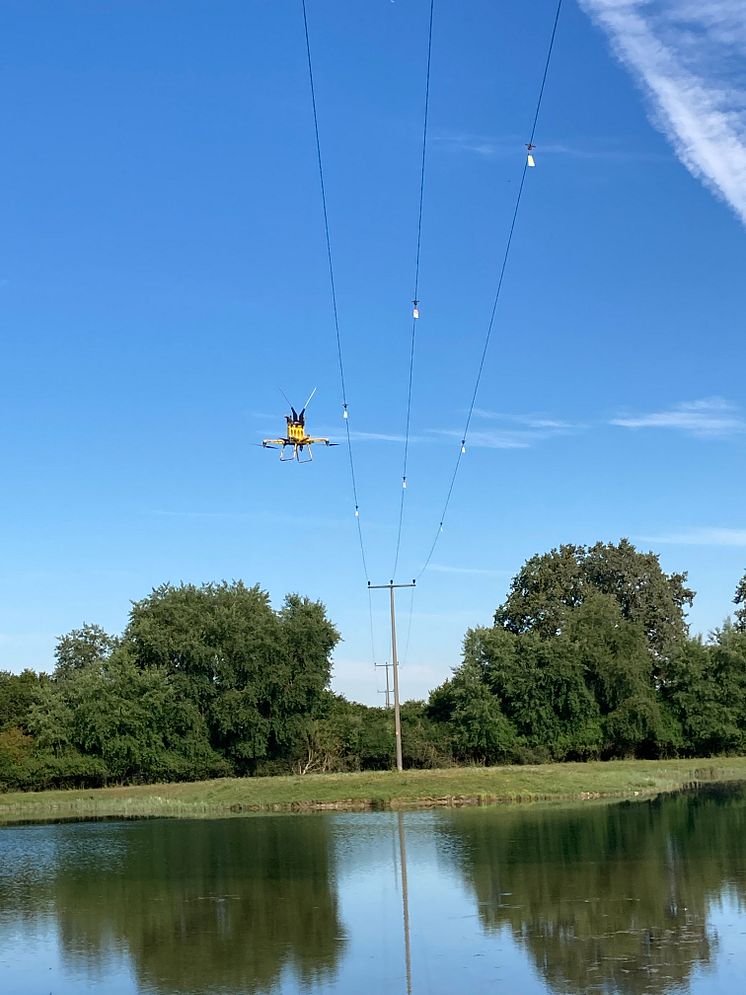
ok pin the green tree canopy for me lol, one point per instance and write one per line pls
(549, 586)
(81, 648)
(481, 732)
(18, 692)
(131, 719)
(589, 691)
(706, 689)
(255, 675)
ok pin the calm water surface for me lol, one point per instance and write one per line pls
(643, 897)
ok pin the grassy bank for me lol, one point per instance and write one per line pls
(380, 790)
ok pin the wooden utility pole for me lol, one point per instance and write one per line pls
(387, 692)
(391, 586)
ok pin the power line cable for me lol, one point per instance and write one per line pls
(526, 165)
(335, 311)
(415, 297)
(410, 614)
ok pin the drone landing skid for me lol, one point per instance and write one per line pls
(296, 454)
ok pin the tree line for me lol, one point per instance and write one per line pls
(588, 657)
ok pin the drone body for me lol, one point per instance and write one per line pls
(296, 438)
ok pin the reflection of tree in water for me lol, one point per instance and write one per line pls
(202, 906)
(610, 899)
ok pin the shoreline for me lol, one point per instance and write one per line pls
(374, 791)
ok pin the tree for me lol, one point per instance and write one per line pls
(589, 690)
(540, 686)
(81, 648)
(15, 753)
(302, 671)
(481, 733)
(425, 743)
(18, 692)
(614, 656)
(133, 720)
(255, 675)
(706, 690)
(740, 601)
(549, 586)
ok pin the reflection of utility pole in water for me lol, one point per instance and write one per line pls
(387, 692)
(405, 901)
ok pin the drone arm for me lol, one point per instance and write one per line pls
(325, 442)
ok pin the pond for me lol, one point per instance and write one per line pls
(634, 897)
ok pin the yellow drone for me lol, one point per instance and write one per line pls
(296, 436)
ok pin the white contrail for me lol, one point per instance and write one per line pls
(688, 56)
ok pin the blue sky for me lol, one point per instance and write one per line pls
(162, 273)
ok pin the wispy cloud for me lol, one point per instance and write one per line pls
(711, 417)
(687, 56)
(490, 440)
(381, 437)
(533, 421)
(511, 431)
(515, 432)
(699, 536)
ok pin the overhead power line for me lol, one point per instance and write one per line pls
(528, 162)
(415, 295)
(335, 312)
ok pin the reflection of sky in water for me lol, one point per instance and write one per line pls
(32, 962)
(450, 952)
(648, 899)
(728, 975)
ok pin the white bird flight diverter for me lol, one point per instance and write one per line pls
(531, 148)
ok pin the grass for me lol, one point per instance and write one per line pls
(373, 790)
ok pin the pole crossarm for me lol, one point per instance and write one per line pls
(385, 587)
(391, 586)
